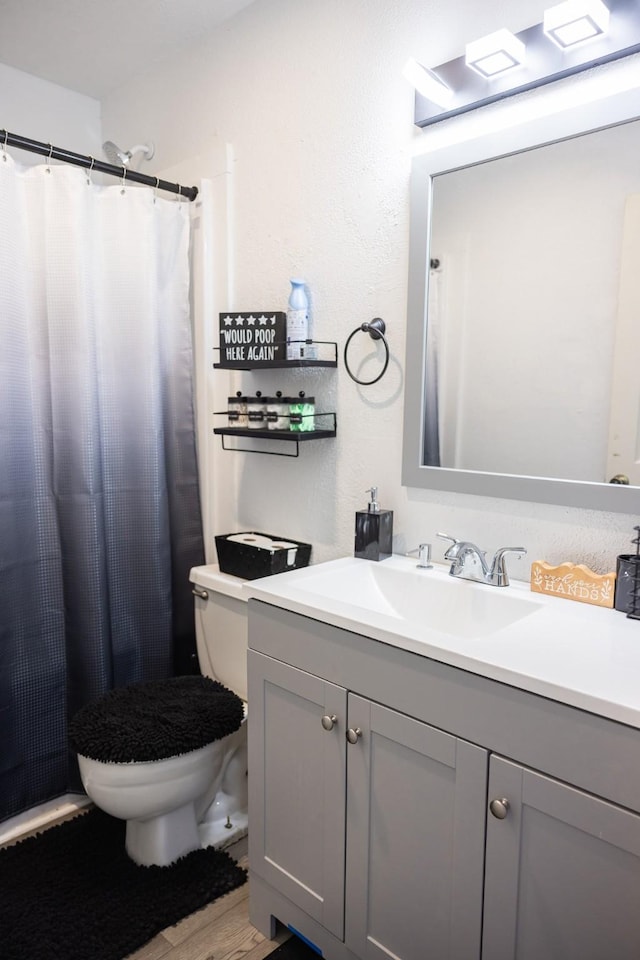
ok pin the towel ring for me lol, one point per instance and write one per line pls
(375, 329)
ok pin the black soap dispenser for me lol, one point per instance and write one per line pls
(374, 530)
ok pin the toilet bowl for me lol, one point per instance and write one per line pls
(155, 798)
(197, 795)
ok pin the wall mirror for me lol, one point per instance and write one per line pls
(523, 335)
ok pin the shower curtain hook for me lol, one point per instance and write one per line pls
(124, 177)
(4, 146)
(155, 189)
(48, 168)
(89, 180)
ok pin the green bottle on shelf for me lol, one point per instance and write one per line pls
(302, 413)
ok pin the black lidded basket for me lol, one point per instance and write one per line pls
(250, 561)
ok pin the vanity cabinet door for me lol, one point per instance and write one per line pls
(415, 838)
(562, 872)
(297, 757)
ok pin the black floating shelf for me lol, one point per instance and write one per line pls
(273, 364)
(291, 438)
(287, 435)
(283, 364)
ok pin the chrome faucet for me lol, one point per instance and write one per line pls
(468, 562)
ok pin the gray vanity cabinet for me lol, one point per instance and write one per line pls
(415, 838)
(409, 863)
(400, 844)
(562, 872)
(297, 785)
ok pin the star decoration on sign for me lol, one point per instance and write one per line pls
(251, 320)
(262, 320)
(228, 321)
(238, 321)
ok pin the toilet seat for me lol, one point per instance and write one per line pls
(155, 720)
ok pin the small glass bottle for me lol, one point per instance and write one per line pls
(270, 413)
(302, 410)
(237, 410)
(278, 412)
(256, 411)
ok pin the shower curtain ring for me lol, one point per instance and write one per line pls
(48, 168)
(89, 180)
(155, 189)
(124, 177)
(4, 145)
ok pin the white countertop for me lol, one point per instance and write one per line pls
(571, 652)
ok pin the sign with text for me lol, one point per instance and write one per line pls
(255, 338)
(573, 581)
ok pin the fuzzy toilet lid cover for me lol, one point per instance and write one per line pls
(155, 720)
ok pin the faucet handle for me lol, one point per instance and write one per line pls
(499, 568)
(424, 556)
(445, 536)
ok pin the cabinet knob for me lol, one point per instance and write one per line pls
(354, 735)
(499, 808)
(328, 722)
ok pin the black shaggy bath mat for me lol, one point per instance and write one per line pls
(72, 893)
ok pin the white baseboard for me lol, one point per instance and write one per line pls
(41, 815)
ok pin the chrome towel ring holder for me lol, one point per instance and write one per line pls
(375, 328)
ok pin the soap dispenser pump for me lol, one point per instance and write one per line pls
(374, 530)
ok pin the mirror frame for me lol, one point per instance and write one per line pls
(608, 110)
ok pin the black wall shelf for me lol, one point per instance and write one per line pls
(283, 364)
(279, 364)
(290, 437)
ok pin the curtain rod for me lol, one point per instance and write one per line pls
(56, 153)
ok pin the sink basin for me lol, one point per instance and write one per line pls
(423, 599)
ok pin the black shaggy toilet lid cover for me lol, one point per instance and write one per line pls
(155, 720)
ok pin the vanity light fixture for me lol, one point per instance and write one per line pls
(575, 21)
(574, 36)
(427, 83)
(495, 53)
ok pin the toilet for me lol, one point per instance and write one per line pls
(170, 756)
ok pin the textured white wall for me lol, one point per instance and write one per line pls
(312, 99)
(40, 110)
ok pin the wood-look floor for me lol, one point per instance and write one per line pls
(220, 931)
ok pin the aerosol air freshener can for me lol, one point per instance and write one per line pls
(297, 322)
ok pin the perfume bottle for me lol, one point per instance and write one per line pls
(374, 530)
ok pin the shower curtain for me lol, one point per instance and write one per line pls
(99, 507)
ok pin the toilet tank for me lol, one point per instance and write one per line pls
(221, 627)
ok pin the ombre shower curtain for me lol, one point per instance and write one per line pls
(99, 506)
